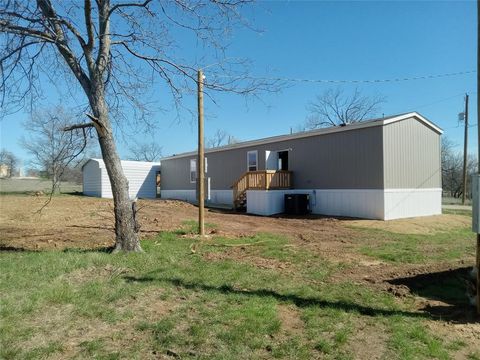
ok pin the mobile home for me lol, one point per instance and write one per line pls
(385, 168)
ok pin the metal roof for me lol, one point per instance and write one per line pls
(359, 125)
(125, 163)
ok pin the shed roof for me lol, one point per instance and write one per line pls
(125, 163)
(360, 125)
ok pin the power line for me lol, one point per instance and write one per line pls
(438, 101)
(346, 81)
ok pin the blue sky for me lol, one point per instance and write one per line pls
(330, 40)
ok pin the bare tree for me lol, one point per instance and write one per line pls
(335, 108)
(113, 50)
(52, 149)
(217, 139)
(146, 152)
(452, 169)
(220, 138)
(10, 161)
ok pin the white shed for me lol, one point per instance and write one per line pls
(141, 178)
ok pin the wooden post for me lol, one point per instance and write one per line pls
(465, 145)
(478, 158)
(201, 159)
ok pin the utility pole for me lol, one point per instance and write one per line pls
(465, 144)
(478, 158)
(201, 158)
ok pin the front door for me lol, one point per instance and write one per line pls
(158, 181)
(283, 160)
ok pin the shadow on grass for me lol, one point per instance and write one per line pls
(103, 249)
(73, 193)
(108, 228)
(7, 248)
(301, 302)
(111, 229)
(446, 293)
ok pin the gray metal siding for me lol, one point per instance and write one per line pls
(344, 160)
(411, 156)
(176, 174)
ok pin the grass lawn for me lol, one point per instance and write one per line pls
(26, 186)
(457, 212)
(223, 298)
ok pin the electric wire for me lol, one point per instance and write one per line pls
(349, 81)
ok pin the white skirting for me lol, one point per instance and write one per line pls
(224, 197)
(380, 204)
(185, 195)
(362, 203)
(402, 203)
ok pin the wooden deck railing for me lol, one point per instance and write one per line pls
(261, 180)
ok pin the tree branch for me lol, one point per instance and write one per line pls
(130, 4)
(78, 126)
(7, 27)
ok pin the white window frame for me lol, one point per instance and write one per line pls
(193, 170)
(256, 159)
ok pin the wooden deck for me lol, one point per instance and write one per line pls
(260, 180)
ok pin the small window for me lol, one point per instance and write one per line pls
(252, 160)
(193, 170)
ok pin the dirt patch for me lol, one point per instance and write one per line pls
(243, 256)
(427, 225)
(369, 341)
(290, 320)
(83, 222)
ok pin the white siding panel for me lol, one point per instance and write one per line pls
(404, 203)
(141, 178)
(141, 181)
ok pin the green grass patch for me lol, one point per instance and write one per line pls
(415, 248)
(170, 302)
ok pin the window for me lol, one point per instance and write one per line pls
(252, 157)
(193, 170)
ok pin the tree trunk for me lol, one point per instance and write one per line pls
(55, 185)
(126, 238)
